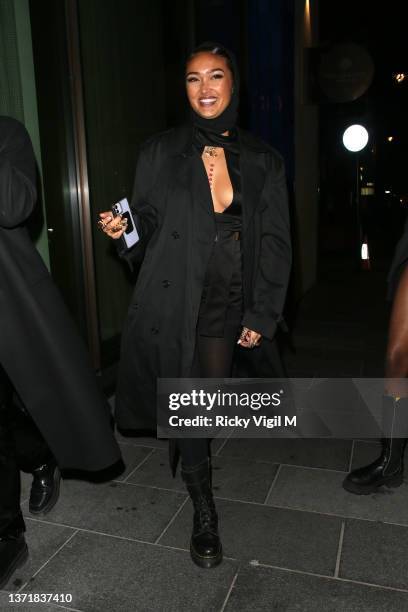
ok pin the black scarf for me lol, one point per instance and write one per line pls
(202, 138)
(209, 132)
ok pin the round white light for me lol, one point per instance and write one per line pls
(355, 138)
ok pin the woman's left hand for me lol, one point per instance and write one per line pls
(249, 338)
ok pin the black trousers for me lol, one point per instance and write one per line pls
(21, 447)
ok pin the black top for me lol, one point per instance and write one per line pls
(235, 208)
(232, 160)
(221, 301)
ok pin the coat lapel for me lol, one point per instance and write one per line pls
(200, 188)
(189, 169)
(253, 173)
(189, 177)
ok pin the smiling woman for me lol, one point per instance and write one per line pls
(210, 91)
(209, 84)
(210, 206)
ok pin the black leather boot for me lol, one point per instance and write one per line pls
(205, 544)
(13, 554)
(45, 488)
(389, 467)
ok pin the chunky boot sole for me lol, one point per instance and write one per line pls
(388, 481)
(54, 497)
(18, 562)
(205, 562)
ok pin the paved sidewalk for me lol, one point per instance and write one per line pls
(293, 538)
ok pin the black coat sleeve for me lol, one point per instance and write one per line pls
(275, 258)
(145, 215)
(17, 190)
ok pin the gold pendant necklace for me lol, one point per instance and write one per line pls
(210, 151)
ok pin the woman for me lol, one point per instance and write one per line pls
(210, 203)
(388, 468)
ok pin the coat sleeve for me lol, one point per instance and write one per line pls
(145, 215)
(275, 258)
(17, 194)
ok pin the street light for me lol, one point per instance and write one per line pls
(355, 138)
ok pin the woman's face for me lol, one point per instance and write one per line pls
(209, 84)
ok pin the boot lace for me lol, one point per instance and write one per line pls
(205, 516)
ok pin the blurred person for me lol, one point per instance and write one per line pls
(388, 468)
(32, 453)
(42, 358)
(210, 204)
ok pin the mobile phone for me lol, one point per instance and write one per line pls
(130, 235)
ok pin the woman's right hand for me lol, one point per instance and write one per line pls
(114, 227)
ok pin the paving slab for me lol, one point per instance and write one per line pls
(267, 590)
(321, 491)
(10, 606)
(115, 508)
(216, 445)
(155, 472)
(297, 540)
(323, 453)
(43, 540)
(149, 442)
(108, 573)
(376, 553)
(132, 458)
(26, 480)
(232, 478)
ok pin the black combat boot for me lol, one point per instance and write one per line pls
(389, 467)
(205, 544)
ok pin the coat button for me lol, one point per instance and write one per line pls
(175, 235)
(135, 305)
(154, 330)
(166, 283)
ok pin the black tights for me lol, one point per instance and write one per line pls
(213, 356)
(212, 359)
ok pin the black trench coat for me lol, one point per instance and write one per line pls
(39, 346)
(176, 222)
